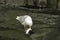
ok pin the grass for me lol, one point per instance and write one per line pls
(13, 30)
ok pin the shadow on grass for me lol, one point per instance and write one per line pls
(7, 28)
(6, 38)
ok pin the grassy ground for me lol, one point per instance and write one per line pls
(45, 26)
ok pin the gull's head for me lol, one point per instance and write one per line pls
(17, 17)
(29, 31)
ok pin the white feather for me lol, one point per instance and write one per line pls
(27, 31)
(25, 20)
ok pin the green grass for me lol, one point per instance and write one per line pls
(16, 31)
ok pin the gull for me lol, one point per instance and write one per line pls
(27, 22)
